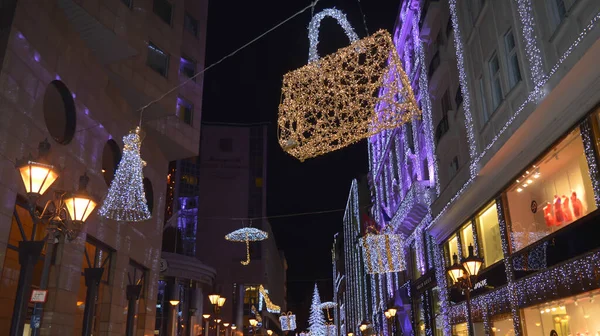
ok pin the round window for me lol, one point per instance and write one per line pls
(149, 192)
(59, 112)
(111, 156)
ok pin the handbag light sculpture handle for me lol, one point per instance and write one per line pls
(315, 23)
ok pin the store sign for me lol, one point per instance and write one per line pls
(534, 206)
(38, 296)
(480, 284)
(425, 282)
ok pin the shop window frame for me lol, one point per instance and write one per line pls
(504, 198)
(477, 245)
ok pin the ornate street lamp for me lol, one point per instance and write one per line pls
(217, 301)
(66, 213)
(464, 277)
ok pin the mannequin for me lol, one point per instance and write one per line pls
(558, 211)
(548, 216)
(567, 209)
(577, 205)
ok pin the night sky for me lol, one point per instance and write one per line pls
(246, 88)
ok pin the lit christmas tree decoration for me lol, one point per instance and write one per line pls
(316, 321)
(126, 200)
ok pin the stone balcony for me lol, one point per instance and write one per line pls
(413, 208)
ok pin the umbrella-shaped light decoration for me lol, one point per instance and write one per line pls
(328, 305)
(247, 235)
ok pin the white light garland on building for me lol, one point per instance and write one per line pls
(462, 76)
(532, 50)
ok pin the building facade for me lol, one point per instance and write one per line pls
(76, 73)
(184, 279)
(511, 96)
(357, 305)
(233, 177)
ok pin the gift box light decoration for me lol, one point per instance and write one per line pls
(247, 235)
(344, 97)
(287, 321)
(382, 252)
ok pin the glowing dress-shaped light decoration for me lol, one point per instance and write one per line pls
(126, 200)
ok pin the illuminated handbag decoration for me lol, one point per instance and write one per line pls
(287, 321)
(382, 252)
(335, 101)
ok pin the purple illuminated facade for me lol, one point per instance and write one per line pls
(484, 83)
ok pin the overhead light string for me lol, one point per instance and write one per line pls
(141, 110)
(364, 18)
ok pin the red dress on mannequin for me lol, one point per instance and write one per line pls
(567, 209)
(577, 206)
(559, 215)
(548, 216)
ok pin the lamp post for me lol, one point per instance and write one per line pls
(390, 314)
(218, 302)
(65, 214)
(464, 277)
(206, 323)
(364, 325)
(226, 326)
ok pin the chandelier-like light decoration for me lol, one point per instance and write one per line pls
(247, 235)
(344, 97)
(287, 321)
(382, 252)
(271, 307)
(126, 200)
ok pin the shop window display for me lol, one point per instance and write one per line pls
(451, 249)
(460, 329)
(553, 193)
(466, 238)
(502, 326)
(488, 231)
(577, 315)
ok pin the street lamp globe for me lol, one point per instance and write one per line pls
(37, 177)
(225, 324)
(80, 204)
(393, 311)
(455, 271)
(206, 316)
(174, 302)
(253, 322)
(387, 314)
(270, 332)
(364, 325)
(233, 327)
(214, 298)
(472, 263)
(221, 301)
